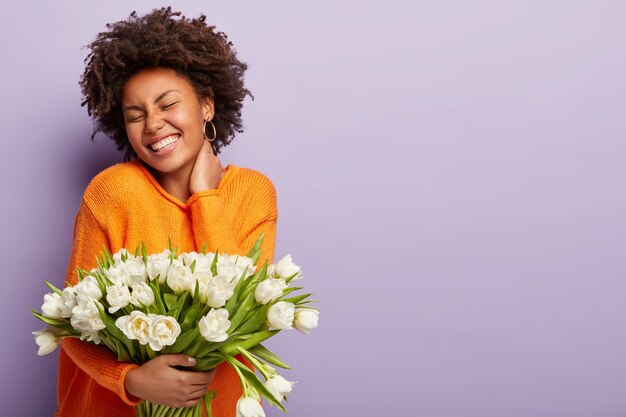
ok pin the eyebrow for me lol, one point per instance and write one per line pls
(159, 98)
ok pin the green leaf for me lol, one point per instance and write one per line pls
(47, 320)
(231, 304)
(214, 264)
(192, 266)
(262, 352)
(290, 290)
(297, 299)
(206, 399)
(255, 382)
(101, 283)
(202, 348)
(171, 300)
(137, 250)
(255, 252)
(173, 250)
(184, 340)
(246, 341)
(109, 257)
(151, 353)
(144, 252)
(208, 363)
(102, 262)
(158, 299)
(254, 320)
(190, 317)
(241, 312)
(177, 304)
(62, 324)
(114, 330)
(122, 354)
(251, 283)
(53, 288)
(196, 294)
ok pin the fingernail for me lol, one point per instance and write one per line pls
(191, 360)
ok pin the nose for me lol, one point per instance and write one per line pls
(153, 123)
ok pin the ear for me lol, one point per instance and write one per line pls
(208, 108)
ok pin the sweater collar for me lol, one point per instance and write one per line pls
(229, 172)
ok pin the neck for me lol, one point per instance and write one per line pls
(175, 183)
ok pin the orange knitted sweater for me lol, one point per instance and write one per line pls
(125, 205)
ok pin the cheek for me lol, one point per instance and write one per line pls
(134, 135)
(195, 136)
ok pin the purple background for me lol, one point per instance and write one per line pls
(451, 179)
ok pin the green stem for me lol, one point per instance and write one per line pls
(162, 409)
(255, 362)
(242, 379)
(140, 409)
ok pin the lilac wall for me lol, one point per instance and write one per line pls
(451, 178)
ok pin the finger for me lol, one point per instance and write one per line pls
(193, 398)
(191, 403)
(197, 393)
(178, 360)
(199, 378)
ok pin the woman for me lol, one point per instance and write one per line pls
(169, 91)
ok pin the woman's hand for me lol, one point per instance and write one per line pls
(207, 171)
(159, 382)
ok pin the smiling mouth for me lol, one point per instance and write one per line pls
(164, 144)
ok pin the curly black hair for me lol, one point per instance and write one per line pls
(163, 38)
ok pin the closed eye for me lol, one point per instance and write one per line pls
(134, 118)
(169, 105)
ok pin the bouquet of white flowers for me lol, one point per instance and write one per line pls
(209, 306)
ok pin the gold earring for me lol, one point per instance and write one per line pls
(206, 137)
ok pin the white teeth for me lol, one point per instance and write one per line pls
(163, 143)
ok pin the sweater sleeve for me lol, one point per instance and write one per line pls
(96, 361)
(231, 218)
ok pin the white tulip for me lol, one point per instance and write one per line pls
(88, 289)
(215, 291)
(142, 295)
(203, 278)
(306, 320)
(188, 257)
(118, 296)
(227, 267)
(136, 271)
(157, 265)
(117, 274)
(285, 268)
(244, 267)
(163, 331)
(117, 256)
(67, 302)
(214, 325)
(135, 326)
(90, 336)
(281, 315)
(50, 307)
(180, 278)
(86, 319)
(249, 407)
(47, 340)
(269, 290)
(279, 387)
(203, 264)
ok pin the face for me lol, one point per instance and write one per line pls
(163, 118)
